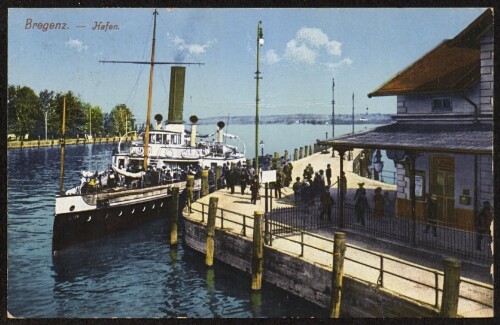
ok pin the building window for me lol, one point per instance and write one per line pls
(441, 104)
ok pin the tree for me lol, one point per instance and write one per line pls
(75, 115)
(23, 109)
(46, 105)
(95, 118)
(120, 120)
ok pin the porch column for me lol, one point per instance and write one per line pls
(413, 156)
(341, 187)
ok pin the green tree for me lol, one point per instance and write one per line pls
(23, 110)
(95, 119)
(120, 120)
(75, 115)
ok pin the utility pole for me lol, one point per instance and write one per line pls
(352, 112)
(333, 108)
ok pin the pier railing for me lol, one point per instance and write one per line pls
(411, 280)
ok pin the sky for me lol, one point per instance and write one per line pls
(303, 51)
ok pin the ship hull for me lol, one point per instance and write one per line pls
(120, 211)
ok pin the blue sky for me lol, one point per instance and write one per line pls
(304, 49)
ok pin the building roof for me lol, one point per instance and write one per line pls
(459, 138)
(454, 65)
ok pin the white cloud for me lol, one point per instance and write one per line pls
(312, 36)
(76, 45)
(300, 53)
(271, 57)
(340, 64)
(311, 43)
(195, 49)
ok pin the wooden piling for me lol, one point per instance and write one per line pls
(285, 156)
(174, 216)
(189, 191)
(306, 151)
(204, 183)
(451, 288)
(257, 250)
(218, 175)
(301, 153)
(295, 154)
(212, 209)
(310, 150)
(337, 274)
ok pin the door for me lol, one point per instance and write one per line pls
(443, 186)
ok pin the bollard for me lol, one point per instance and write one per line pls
(257, 251)
(174, 216)
(337, 274)
(285, 156)
(306, 151)
(295, 154)
(212, 209)
(451, 288)
(204, 182)
(189, 191)
(300, 152)
(218, 175)
(310, 150)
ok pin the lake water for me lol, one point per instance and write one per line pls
(134, 273)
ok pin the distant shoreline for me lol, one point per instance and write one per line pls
(315, 119)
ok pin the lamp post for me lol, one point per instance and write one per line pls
(260, 42)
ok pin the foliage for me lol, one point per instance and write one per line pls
(30, 113)
(120, 120)
(23, 109)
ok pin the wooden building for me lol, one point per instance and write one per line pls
(442, 136)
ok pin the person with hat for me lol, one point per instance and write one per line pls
(297, 188)
(360, 203)
(329, 175)
(431, 214)
(482, 223)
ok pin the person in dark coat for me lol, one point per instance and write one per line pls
(378, 210)
(326, 203)
(280, 178)
(297, 187)
(482, 223)
(243, 180)
(431, 214)
(232, 174)
(329, 175)
(360, 203)
(254, 188)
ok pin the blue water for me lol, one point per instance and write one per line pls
(131, 274)
(134, 273)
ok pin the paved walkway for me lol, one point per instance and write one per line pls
(426, 261)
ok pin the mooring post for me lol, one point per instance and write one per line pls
(285, 156)
(301, 152)
(295, 154)
(257, 251)
(190, 193)
(212, 209)
(337, 274)
(218, 174)
(204, 182)
(306, 150)
(174, 216)
(451, 288)
(310, 150)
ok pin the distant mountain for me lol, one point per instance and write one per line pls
(301, 119)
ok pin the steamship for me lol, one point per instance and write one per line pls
(137, 185)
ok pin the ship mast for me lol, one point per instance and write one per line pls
(150, 90)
